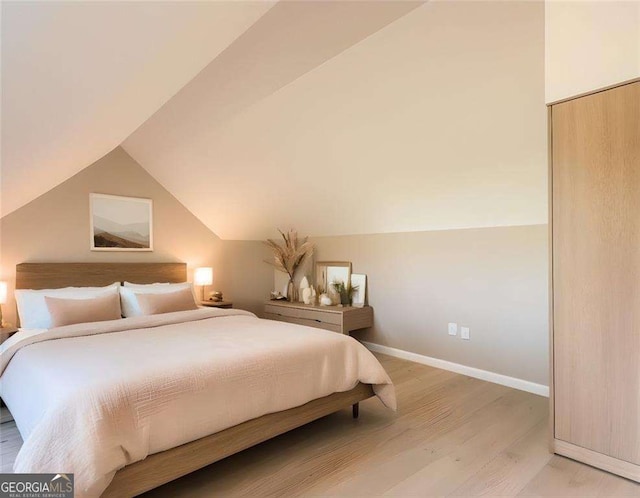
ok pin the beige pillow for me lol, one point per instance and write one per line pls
(70, 311)
(154, 304)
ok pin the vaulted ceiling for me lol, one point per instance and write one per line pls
(332, 117)
(79, 77)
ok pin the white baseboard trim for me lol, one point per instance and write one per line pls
(496, 378)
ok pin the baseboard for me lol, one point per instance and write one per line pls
(496, 378)
(604, 462)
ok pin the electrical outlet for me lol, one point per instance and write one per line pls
(465, 333)
(453, 329)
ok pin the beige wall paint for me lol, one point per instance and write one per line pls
(435, 121)
(590, 45)
(493, 280)
(248, 278)
(55, 228)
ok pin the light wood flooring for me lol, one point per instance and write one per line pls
(452, 436)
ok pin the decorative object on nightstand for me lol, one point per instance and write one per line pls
(287, 258)
(304, 284)
(358, 290)
(309, 295)
(277, 296)
(217, 304)
(325, 300)
(345, 293)
(203, 276)
(328, 272)
(216, 296)
(342, 319)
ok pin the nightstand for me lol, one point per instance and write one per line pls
(217, 304)
(6, 332)
(341, 319)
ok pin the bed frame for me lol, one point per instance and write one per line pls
(161, 468)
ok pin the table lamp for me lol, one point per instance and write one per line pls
(203, 276)
(3, 299)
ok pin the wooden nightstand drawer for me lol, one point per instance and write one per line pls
(302, 321)
(334, 318)
(316, 315)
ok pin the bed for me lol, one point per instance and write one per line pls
(134, 403)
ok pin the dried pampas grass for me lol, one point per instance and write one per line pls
(288, 257)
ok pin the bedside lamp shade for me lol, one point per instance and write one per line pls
(203, 276)
(3, 299)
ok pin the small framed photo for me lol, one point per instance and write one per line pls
(121, 223)
(359, 295)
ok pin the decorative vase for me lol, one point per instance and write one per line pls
(304, 283)
(292, 292)
(306, 295)
(344, 299)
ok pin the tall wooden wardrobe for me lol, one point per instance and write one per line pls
(595, 241)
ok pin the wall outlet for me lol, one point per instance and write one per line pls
(465, 333)
(453, 329)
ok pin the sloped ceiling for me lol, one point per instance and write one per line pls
(79, 77)
(362, 117)
(331, 117)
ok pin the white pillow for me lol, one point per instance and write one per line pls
(147, 286)
(129, 301)
(33, 310)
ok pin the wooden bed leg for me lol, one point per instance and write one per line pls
(356, 410)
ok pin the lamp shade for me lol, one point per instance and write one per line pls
(3, 292)
(203, 276)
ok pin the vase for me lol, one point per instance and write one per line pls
(292, 292)
(344, 299)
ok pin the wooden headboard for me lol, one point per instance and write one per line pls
(56, 275)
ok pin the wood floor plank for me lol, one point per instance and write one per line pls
(564, 477)
(512, 469)
(459, 460)
(413, 450)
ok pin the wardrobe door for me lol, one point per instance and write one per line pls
(596, 271)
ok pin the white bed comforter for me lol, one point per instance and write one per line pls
(91, 398)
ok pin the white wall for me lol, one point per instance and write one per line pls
(590, 45)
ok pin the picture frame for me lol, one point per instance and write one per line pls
(359, 297)
(328, 271)
(119, 223)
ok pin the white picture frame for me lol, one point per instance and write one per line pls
(119, 223)
(359, 297)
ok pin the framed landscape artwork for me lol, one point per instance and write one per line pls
(121, 223)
